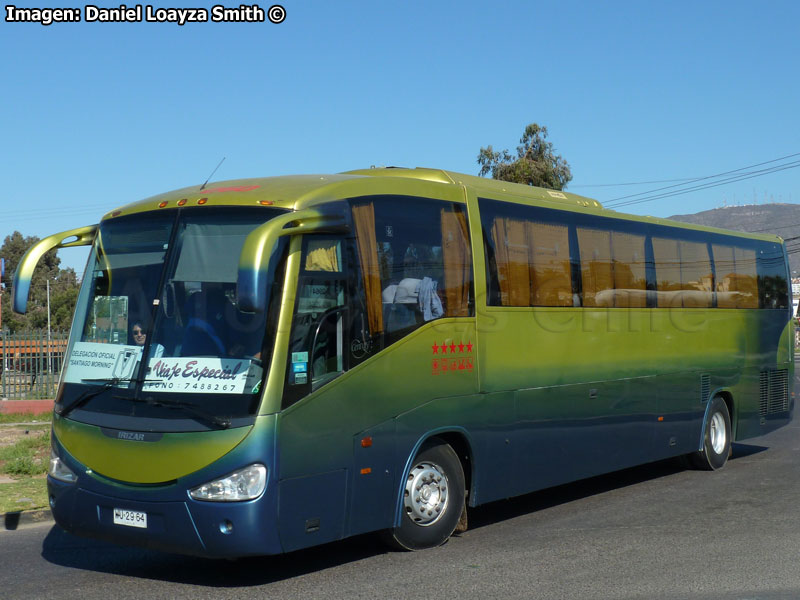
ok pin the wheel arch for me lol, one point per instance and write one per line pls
(727, 397)
(459, 440)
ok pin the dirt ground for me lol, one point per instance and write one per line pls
(10, 434)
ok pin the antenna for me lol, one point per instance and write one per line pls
(202, 187)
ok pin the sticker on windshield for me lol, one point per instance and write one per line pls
(95, 361)
(190, 375)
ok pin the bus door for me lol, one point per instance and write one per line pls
(320, 425)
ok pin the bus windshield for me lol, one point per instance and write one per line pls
(157, 331)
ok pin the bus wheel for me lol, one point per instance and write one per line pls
(433, 498)
(716, 438)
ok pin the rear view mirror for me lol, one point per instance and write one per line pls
(22, 277)
(254, 262)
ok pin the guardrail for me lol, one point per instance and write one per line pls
(30, 364)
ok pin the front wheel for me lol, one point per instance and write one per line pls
(716, 438)
(433, 498)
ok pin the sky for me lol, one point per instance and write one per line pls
(95, 115)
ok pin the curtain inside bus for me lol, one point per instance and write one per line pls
(457, 262)
(364, 219)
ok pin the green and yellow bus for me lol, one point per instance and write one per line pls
(262, 365)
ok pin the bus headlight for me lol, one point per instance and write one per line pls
(244, 484)
(58, 470)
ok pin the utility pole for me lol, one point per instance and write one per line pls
(49, 349)
(2, 285)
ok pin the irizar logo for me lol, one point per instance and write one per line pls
(132, 436)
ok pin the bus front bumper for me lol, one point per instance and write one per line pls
(208, 529)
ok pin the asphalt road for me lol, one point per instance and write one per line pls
(658, 531)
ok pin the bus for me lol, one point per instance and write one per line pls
(262, 365)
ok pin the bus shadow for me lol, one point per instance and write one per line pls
(743, 450)
(495, 512)
(66, 550)
(502, 510)
(63, 549)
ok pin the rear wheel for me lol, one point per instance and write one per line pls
(716, 438)
(433, 498)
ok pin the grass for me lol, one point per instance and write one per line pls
(25, 461)
(28, 493)
(25, 417)
(29, 456)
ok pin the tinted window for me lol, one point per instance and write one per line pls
(543, 257)
(528, 256)
(630, 270)
(329, 334)
(613, 270)
(736, 283)
(773, 286)
(683, 273)
(415, 261)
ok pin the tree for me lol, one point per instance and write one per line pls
(63, 288)
(535, 164)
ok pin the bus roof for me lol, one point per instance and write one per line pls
(296, 191)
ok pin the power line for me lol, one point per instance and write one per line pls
(737, 176)
(710, 176)
(57, 209)
(592, 185)
(733, 179)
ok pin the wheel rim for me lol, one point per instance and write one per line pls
(718, 433)
(426, 495)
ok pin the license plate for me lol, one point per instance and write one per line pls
(130, 518)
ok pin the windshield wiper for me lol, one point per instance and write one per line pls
(221, 422)
(108, 382)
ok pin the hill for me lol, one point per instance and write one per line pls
(780, 219)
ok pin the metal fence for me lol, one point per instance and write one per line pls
(30, 364)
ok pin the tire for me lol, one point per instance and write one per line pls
(433, 499)
(716, 438)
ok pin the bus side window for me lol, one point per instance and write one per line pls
(683, 269)
(415, 263)
(528, 257)
(772, 282)
(318, 336)
(327, 348)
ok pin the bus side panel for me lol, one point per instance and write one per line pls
(584, 389)
(678, 420)
(765, 400)
(494, 460)
(320, 436)
(373, 479)
(642, 380)
(745, 418)
(486, 424)
(311, 509)
(571, 432)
